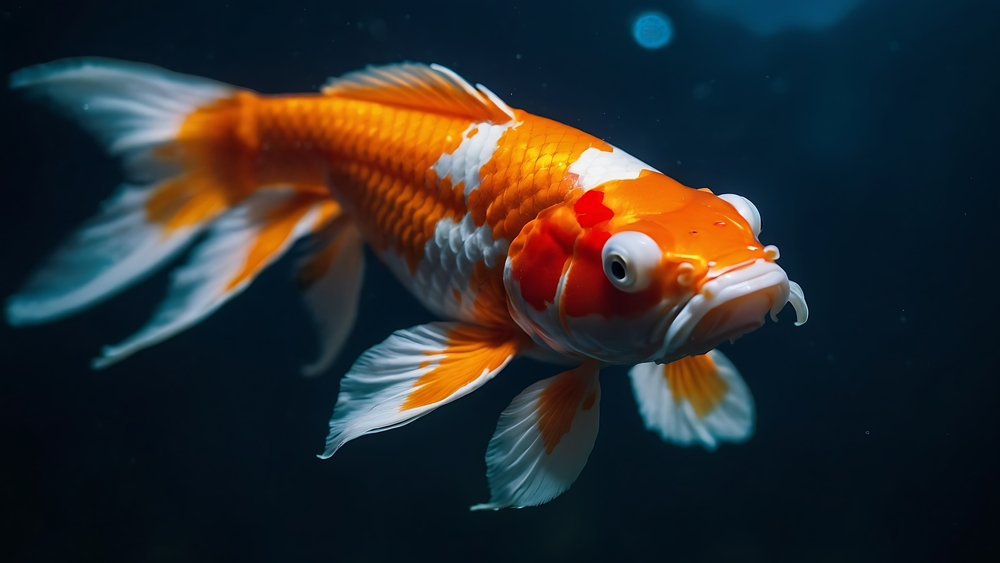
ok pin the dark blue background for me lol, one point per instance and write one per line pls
(874, 170)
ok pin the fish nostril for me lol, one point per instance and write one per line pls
(685, 274)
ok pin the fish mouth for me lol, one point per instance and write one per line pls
(728, 306)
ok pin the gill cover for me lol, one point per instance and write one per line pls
(583, 290)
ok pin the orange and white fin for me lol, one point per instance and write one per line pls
(695, 400)
(330, 279)
(432, 88)
(137, 112)
(543, 439)
(413, 372)
(238, 246)
(110, 252)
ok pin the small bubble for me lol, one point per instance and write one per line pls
(678, 163)
(518, 56)
(86, 107)
(652, 30)
(867, 432)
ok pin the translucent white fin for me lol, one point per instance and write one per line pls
(431, 88)
(238, 247)
(543, 440)
(413, 372)
(108, 253)
(129, 107)
(694, 400)
(330, 281)
(136, 111)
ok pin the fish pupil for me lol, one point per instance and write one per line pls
(618, 270)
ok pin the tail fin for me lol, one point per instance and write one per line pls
(176, 138)
(238, 246)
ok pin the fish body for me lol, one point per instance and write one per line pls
(527, 236)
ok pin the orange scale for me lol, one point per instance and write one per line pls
(532, 153)
(544, 162)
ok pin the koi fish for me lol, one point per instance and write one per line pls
(526, 236)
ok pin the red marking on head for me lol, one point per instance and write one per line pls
(540, 263)
(590, 209)
(588, 290)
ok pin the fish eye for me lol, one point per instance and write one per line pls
(747, 209)
(630, 260)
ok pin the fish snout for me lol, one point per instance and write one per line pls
(729, 305)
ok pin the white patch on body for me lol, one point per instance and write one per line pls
(449, 257)
(464, 164)
(595, 167)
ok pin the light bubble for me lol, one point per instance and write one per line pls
(652, 30)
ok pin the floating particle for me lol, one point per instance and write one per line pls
(653, 30)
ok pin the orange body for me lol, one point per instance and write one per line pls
(377, 161)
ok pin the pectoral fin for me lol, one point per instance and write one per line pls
(413, 372)
(694, 400)
(543, 440)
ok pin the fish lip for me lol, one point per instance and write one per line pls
(760, 277)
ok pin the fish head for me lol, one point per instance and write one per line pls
(645, 270)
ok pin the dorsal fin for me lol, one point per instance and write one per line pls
(431, 88)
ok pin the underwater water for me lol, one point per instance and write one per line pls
(868, 143)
